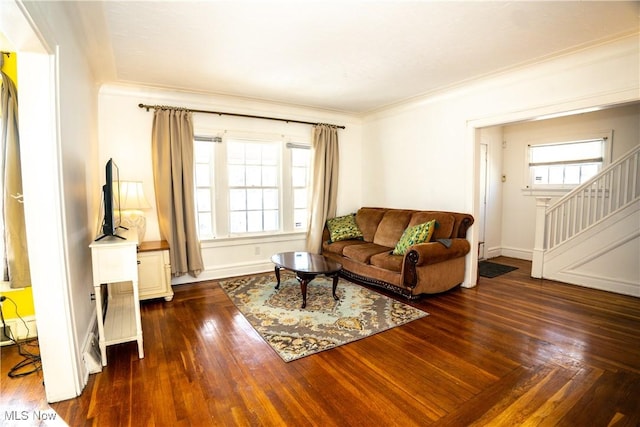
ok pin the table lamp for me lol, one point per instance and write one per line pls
(132, 202)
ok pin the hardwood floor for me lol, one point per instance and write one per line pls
(511, 351)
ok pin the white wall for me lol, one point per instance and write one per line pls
(423, 154)
(125, 135)
(519, 204)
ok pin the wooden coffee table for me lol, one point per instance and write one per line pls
(306, 266)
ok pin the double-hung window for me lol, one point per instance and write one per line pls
(253, 185)
(250, 186)
(564, 165)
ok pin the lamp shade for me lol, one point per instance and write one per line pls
(132, 196)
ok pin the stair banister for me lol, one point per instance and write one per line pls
(612, 189)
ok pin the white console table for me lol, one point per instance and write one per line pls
(115, 260)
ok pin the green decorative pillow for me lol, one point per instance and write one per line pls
(413, 235)
(343, 228)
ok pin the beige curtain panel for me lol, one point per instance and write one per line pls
(16, 258)
(172, 157)
(324, 192)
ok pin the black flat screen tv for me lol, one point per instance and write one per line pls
(111, 201)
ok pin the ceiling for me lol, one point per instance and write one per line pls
(350, 56)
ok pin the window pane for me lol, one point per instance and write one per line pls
(556, 174)
(300, 198)
(254, 221)
(572, 174)
(202, 151)
(235, 153)
(588, 171)
(253, 154)
(254, 176)
(269, 176)
(300, 156)
(204, 224)
(238, 222)
(271, 220)
(300, 218)
(299, 177)
(254, 199)
(271, 199)
(237, 200)
(202, 175)
(203, 200)
(541, 175)
(270, 154)
(236, 176)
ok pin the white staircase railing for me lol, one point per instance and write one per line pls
(612, 189)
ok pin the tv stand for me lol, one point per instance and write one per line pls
(113, 261)
(109, 235)
(112, 235)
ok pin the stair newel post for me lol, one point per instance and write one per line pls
(542, 203)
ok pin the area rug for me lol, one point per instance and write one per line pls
(325, 323)
(493, 269)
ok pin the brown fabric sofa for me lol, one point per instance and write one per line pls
(425, 268)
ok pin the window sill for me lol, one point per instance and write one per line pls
(551, 192)
(253, 239)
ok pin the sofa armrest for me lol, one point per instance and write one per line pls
(424, 254)
(435, 252)
(325, 234)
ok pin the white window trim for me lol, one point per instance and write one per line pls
(558, 190)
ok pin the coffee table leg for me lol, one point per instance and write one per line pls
(304, 280)
(303, 287)
(278, 277)
(335, 285)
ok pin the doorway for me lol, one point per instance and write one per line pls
(41, 165)
(482, 213)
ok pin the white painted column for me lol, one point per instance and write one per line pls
(542, 203)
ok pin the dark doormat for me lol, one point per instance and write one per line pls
(492, 269)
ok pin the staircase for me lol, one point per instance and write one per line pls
(591, 236)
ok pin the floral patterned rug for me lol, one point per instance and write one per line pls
(325, 323)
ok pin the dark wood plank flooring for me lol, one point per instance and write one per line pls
(511, 351)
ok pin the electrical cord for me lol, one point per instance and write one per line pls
(31, 362)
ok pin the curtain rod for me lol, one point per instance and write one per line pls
(148, 107)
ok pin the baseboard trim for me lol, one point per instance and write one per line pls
(595, 282)
(223, 272)
(526, 254)
(19, 330)
(492, 253)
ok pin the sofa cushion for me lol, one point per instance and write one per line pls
(343, 228)
(368, 220)
(387, 261)
(364, 251)
(420, 233)
(444, 223)
(391, 227)
(338, 247)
